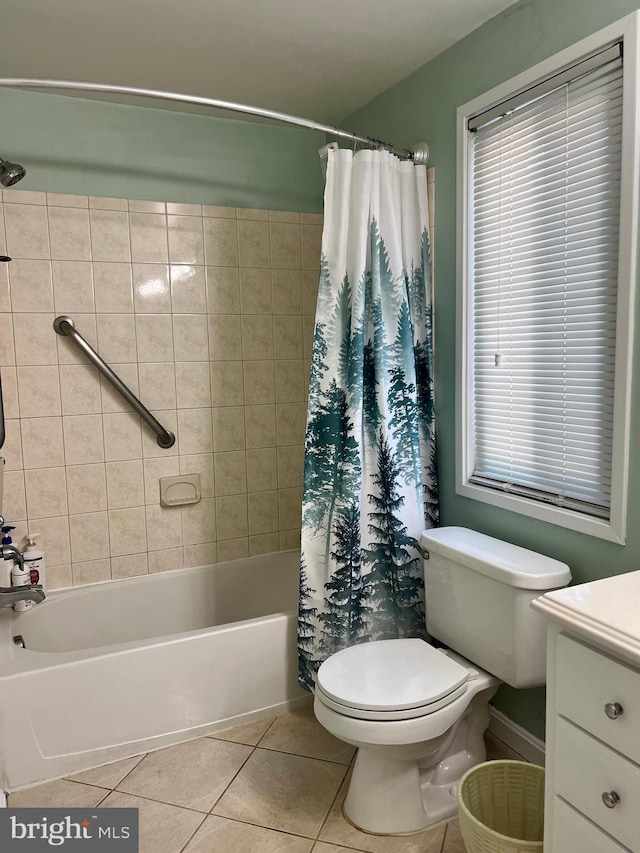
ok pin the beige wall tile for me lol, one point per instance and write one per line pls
(290, 381)
(233, 549)
(27, 231)
(116, 337)
(31, 286)
(289, 508)
(113, 288)
(231, 512)
(289, 540)
(287, 291)
(291, 421)
(257, 214)
(127, 531)
(228, 428)
(53, 537)
(255, 291)
(202, 464)
(166, 560)
(14, 501)
(284, 216)
(92, 571)
(69, 234)
(18, 196)
(83, 439)
(253, 244)
(220, 242)
(285, 246)
(5, 300)
(259, 384)
(151, 292)
(311, 242)
(158, 385)
(225, 337)
(167, 466)
(200, 555)
(227, 383)
(194, 431)
(290, 466)
(309, 292)
(260, 424)
(218, 211)
(80, 389)
(230, 472)
(104, 203)
(125, 484)
(287, 336)
(109, 235)
(193, 385)
(257, 337)
(264, 543)
(12, 448)
(68, 352)
(130, 566)
(42, 444)
(188, 289)
(89, 537)
(308, 332)
(149, 238)
(164, 527)
(154, 337)
(122, 437)
(150, 447)
(186, 241)
(199, 522)
(191, 337)
(39, 391)
(7, 349)
(263, 512)
(86, 488)
(112, 401)
(35, 340)
(59, 577)
(311, 218)
(143, 206)
(73, 287)
(46, 492)
(10, 392)
(184, 209)
(223, 290)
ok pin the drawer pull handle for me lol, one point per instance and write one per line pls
(610, 799)
(613, 710)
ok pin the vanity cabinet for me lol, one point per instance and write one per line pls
(593, 717)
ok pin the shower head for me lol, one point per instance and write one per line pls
(11, 173)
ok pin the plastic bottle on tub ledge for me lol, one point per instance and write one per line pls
(34, 561)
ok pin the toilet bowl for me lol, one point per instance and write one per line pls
(416, 713)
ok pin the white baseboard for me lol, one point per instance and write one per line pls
(520, 740)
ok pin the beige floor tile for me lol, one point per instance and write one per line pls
(453, 842)
(323, 847)
(191, 774)
(220, 835)
(108, 775)
(339, 831)
(496, 749)
(249, 733)
(59, 794)
(163, 828)
(280, 791)
(301, 734)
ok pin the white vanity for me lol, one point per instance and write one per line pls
(593, 717)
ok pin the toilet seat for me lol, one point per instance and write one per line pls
(390, 680)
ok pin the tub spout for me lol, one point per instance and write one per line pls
(9, 595)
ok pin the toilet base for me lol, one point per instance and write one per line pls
(395, 792)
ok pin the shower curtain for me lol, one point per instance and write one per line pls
(369, 473)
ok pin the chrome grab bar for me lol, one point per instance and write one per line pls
(66, 327)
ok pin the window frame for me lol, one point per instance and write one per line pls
(626, 30)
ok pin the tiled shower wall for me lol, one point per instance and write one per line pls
(207, 314)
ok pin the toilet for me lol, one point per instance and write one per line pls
(418, 713)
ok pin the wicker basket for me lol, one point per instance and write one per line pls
(501, 807)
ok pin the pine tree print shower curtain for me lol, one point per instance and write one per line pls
(369, 476)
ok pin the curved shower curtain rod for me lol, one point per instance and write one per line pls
(419, 153)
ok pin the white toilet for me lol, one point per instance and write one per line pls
(418, 714)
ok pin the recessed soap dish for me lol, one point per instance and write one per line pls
(178, 491)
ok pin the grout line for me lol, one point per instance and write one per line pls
(232, 780)
(333, 803)
(190, 838)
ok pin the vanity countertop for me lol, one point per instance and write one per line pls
(606, 610)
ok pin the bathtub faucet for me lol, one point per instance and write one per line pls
(30, 592)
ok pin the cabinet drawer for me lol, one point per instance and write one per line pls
(586, 680)
(585, 769)
(573, 833)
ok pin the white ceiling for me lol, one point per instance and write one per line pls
(320, 59)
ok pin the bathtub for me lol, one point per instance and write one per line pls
(120, 668)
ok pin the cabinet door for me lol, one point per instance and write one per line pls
(573, 833)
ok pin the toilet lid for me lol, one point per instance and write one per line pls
(390, 675)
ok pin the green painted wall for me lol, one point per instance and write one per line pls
(423, 107)
(74, 145)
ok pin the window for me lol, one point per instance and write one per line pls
(547, 266)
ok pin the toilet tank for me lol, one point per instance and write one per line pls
(477, 593)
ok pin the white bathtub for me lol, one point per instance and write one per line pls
(116, 669)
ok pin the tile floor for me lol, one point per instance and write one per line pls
(273, 786)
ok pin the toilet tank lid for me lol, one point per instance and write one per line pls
(502, 561)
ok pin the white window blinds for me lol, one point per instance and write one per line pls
(544, 223)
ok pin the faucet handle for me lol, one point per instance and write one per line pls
(1, 520)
